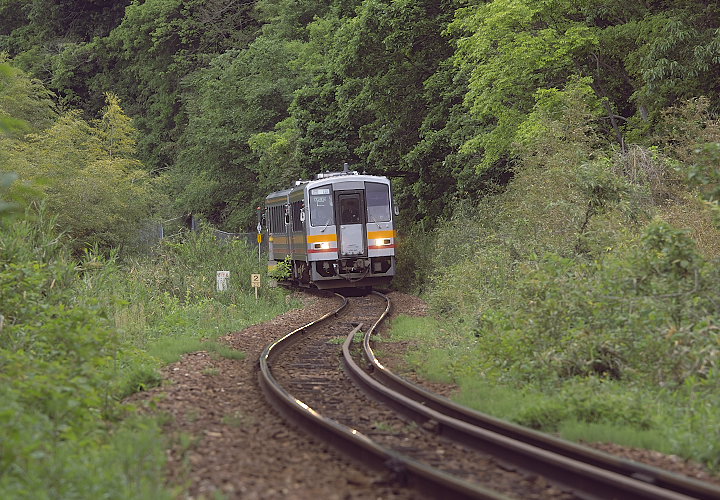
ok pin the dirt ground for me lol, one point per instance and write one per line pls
(227, 440)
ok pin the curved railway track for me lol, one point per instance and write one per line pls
(301, 375)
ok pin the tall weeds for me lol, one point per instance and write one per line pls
(77, 336)
(586, 294)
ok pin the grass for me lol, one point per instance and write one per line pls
(79, 337)
(434, 358)
(164, 316)
(124, 462)
(417, 329)
(170, 350)
(383, 427)
(357, 338)
(588, 410)
(166, 304)
(608, 433)
(576, 303)
(608, 335)
(224, 351)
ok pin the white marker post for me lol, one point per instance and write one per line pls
(223, 277)
(255, 282)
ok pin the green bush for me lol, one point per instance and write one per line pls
(587, 339)
(282, 270)
(74, 340)
(570, 302)
(60, 370)
(173, 291)
(414, 254)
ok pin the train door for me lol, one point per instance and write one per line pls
(288, 229)
(350, 213)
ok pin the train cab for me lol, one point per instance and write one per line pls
(338, 230)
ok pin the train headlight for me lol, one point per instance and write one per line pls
(383, 242)
(325, 245)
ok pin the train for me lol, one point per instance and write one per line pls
(335, 231)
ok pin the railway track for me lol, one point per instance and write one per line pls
(426, 441)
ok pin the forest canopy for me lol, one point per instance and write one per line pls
(234, 99)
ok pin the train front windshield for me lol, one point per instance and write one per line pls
(321, 206)
(378, 201)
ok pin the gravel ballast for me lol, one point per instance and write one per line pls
(226, 439)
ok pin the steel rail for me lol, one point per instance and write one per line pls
(596, 474)
(351, 441)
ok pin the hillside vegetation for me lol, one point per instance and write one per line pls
(584, 298)
(81, 327)
(78, 335)
(235, 99)
(555, 163)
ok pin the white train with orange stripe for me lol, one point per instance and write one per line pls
(338, 230)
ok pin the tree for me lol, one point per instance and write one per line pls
(157, 45)
(240, 143)
(241, 94)
(369, 106)
(118, 137)
(641, 57)
(511, 49)
(87, 175)
(37, 32)
(25, 104)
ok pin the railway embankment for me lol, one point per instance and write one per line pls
(581, 298)
(226, 438)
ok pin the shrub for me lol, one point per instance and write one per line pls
(61, 366)
(173, 291)
(85, 172)
(282, 270)
(579, 296)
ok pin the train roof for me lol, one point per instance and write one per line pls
(324, 179)
(278, 195)
(332, 179)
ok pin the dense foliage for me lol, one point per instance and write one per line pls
(81, 329)
(584, 298)
(79, 336)
(62, 366)
(555, 161)
(86, 171)
(236, 98)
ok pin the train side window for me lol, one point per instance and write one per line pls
(279, 216)
(321, 206)
(276, 216)
(378, 201)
